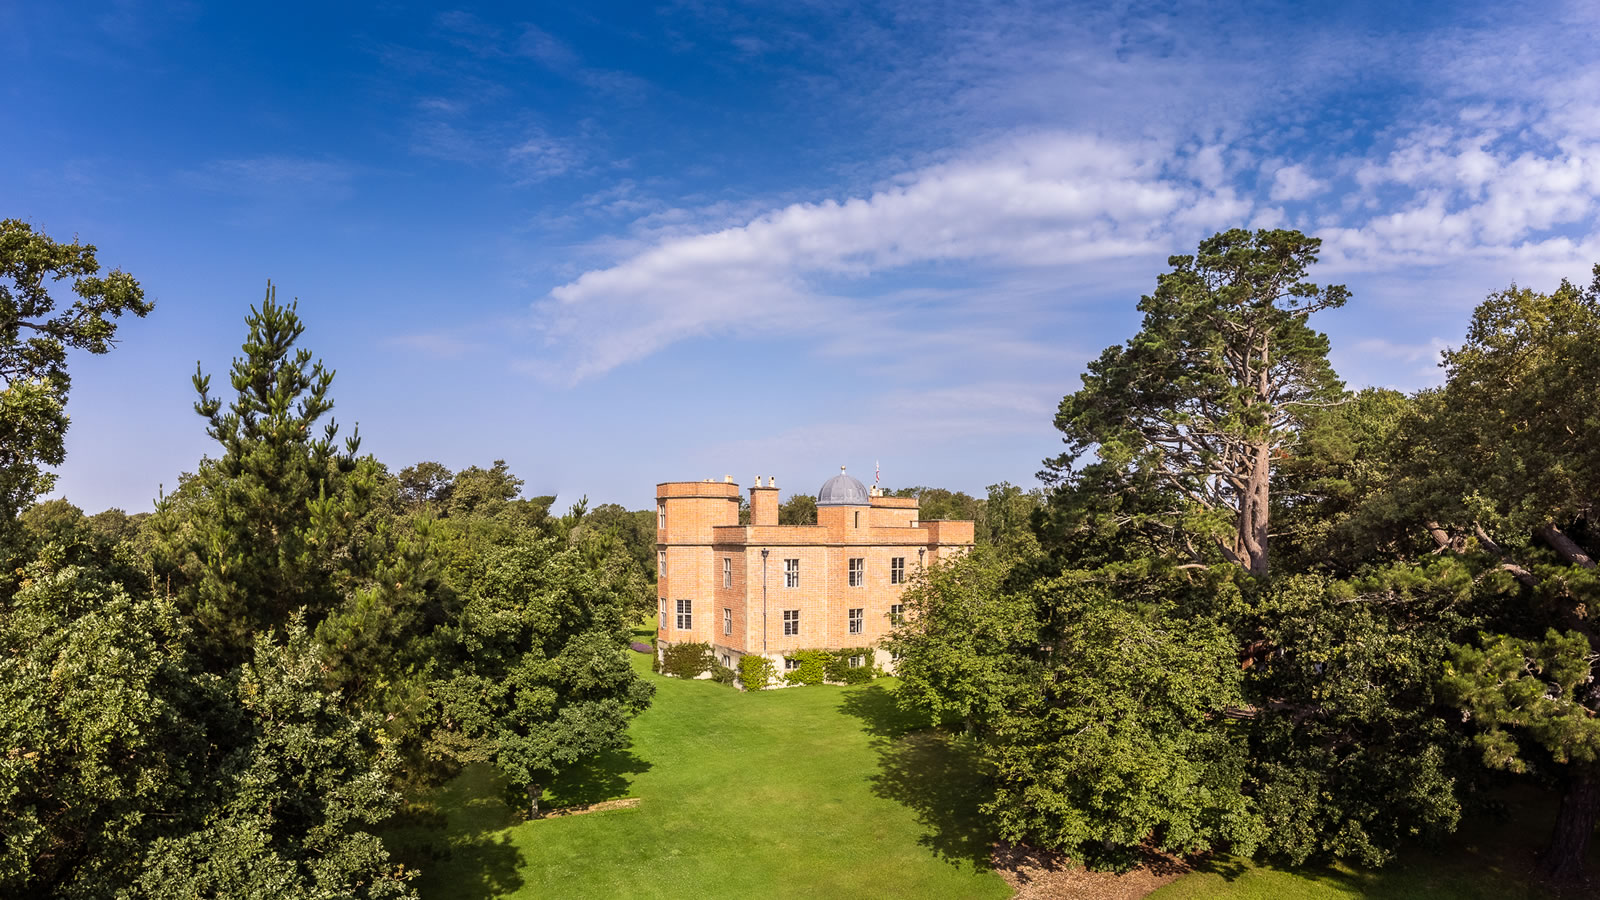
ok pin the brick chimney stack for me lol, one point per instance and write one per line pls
(764, 503)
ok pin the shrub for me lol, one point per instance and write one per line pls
(686, 660)
(721, 674)
(756, 672)
(812, 668)
(840, 671)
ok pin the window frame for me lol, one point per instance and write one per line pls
(685, 619)
(727, 571)
(857, 567)
(856, 619)
(897, 570)
(897, 614)
(791, 573)
(791, 623)
(727, 620)
(663, 613)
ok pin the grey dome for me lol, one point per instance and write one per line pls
(843, 490)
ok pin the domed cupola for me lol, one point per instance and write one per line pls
(843, 490)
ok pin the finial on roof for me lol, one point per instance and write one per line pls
(841, 470)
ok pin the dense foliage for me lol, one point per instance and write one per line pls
(230, 696)
(1262, 613)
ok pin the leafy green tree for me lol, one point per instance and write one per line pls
(284, 523)
(799, 509)
(635, 530)
(540, 680)
(1349, 505)
(1509, 469)
(296, 796)
(1126, 737)
(103, 717)
(1006, 515)
(1351, 755)
(939, 503)
(1538, 695)
(967, 645)
(265, 529)
(476, 491)
(425, 483)
(34, 339)
(1195, 410)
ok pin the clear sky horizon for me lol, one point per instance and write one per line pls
(619, 244)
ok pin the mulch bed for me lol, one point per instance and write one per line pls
(1041, 875)
(624, 803)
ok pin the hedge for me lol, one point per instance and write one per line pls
(686, 660)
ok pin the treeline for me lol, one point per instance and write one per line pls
(228, 696)
(1260, 613)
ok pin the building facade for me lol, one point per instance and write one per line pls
(771, 589)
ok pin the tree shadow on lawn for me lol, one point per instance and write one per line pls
(938, 776)
(608, 776)
(449, 836)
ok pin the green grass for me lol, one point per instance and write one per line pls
(831, 792)
(807, 792)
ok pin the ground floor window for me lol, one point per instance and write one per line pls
(855, 662)
(727, 661)
(685, 615)
(663, 614)
(791, 663)
(791, 621)
(727, 620)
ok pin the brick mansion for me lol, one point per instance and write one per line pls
(771, 589)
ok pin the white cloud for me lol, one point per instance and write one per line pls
(1041, 201)
(1291, 183)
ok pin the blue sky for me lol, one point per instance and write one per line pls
(618, 244)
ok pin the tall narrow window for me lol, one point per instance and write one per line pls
(791, 621)
(897, 570)
(897, 614)
(791, 574)
(858, 571)
(858, 518)
(661, 564)
(663, 614)
(857, 616)
(685, 615)
(661, 515)
(727, 571)
(727, 620)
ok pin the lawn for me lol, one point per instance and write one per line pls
(832, 792)
(807, 792)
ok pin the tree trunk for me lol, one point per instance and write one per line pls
(1580, 807)
(1254, 508)
(535, 791)
(1565, 547)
